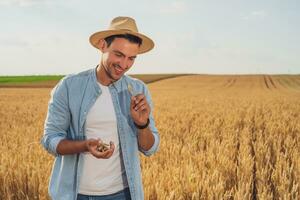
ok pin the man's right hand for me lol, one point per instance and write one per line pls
(92, 145)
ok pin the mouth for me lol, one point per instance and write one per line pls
(118, 69)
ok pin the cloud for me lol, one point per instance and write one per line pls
(176, 7)
(258, 14)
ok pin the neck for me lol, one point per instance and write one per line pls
(103, 76)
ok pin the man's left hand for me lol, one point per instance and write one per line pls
(139, 109)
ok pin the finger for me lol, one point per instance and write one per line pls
(109, 154)
(111, 150)
(139, 98)
(132, 102)
(95, 152)
(112, 146)
(142, 108)
(99, 154)
(142, 103)
(105, 154)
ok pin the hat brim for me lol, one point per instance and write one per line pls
(147, 43)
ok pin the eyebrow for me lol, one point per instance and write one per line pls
(116, 51)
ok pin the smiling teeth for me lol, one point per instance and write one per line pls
(118, 69)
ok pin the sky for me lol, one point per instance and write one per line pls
(192, 36)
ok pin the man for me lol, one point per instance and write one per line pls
(98, 106)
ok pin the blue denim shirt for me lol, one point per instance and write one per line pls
(68, 107)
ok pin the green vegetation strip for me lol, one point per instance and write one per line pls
(28, 79)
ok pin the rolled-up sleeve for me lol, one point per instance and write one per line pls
(58, 118)
(152, 126)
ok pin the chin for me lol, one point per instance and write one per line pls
(117, 77)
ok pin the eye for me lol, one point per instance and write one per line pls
(118, 54)
(132, 59)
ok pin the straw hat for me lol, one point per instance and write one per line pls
(122, 25)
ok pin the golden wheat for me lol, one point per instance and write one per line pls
(222, 137)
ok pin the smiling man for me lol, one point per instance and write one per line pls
(99, 106)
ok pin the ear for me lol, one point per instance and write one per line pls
(102, 45)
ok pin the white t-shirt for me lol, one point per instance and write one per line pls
(102, 176)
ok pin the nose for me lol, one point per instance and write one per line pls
(123, 64)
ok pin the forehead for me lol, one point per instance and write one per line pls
(124, 46)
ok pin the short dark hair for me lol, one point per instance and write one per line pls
(131, 38)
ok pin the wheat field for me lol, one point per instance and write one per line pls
(222, 137)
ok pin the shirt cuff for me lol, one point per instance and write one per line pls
(154, 147)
